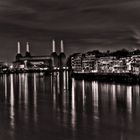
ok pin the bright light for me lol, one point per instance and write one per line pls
(11, 66)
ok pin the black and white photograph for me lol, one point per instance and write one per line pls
(69, 70)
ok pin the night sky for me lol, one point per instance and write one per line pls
(84, 25)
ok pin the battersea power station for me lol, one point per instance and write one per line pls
(47, 62)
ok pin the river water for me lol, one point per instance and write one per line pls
(52, 107)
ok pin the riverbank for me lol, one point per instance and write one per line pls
(17, 71)
(109, 77)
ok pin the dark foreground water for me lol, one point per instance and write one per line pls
(36, 107)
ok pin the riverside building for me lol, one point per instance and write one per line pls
(47, 62)
(89, 63)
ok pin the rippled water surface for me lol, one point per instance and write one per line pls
(45, 107)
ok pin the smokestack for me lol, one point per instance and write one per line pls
(62, 46)
(18, 47)
(27, 47)
(53, 46)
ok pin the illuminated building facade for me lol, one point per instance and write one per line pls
(82, 63)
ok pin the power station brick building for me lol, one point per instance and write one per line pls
(52, 61)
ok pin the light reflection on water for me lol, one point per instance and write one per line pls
(73, 112)
(5, 85)
(57, 107)
(35, 97)
(12, 111)
(95, 99)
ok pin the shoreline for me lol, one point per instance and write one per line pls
(125, 78)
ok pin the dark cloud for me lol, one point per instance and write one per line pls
(84, 25)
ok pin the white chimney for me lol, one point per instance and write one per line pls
(27, 47)
(53, 46)
(62, 46)
(18, 47)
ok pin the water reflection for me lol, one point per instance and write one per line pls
(12, 111)
(83, 109)
(35, 97)
(20, 88)
(100, 100)
(20, 92)
(95, 99)
(129, 99)
(5, 87)
(26, 88)
(73, 111)
(113, 95)
(83, 93)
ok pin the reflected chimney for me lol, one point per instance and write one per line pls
(53, 46)
(18, 47)
(62, 46)
(27, 47)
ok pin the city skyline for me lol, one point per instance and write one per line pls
(69, 69)
(83, 25)
(46, 52)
